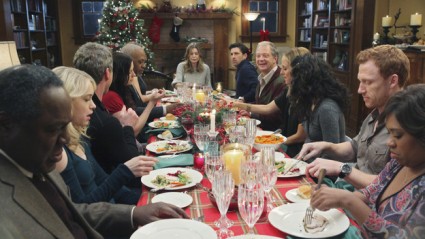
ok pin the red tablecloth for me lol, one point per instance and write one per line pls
(202, 206)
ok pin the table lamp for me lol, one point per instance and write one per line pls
(8, 54)
(250, 16)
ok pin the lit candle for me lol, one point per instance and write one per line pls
(200, 96)
(264, 23)
(212, 123)
(416, 19)
(386, 21)
(376, 36)
(194, 90)
(233, 160)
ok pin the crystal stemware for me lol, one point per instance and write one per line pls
(223, 187)
(250, 131)
(251, 173)
(251, 204)
(187, 123)
(269, 173)
(200, 135)
(213, 163)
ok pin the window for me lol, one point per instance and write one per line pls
(86, 24)
(274, 14)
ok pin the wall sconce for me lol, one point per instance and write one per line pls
(8, 54)
(250, 16)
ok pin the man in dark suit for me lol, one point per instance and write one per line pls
(34, 112)
(246, 74)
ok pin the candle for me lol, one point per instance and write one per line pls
(232, 162)
(198, 161)
(416, 19)
(386, 21)
(200, 96)
(264, 23)
(376, 36)
(212, 121)
(194, 90)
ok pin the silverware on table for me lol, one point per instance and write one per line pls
(291, 167)
(309, 212)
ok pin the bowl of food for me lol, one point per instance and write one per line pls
(268, 139)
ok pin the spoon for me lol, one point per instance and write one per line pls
(278, 131)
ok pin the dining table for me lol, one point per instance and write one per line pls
(203, 209)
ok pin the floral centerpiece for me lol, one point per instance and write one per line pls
(202, 114)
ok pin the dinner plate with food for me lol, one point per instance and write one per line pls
(167, 135)
(164, 124)
(289, 218)
(170, 99)
(172, 178)
(169, 146)
(289, 167)
(300, 194)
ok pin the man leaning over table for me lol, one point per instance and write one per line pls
(35, 202)
(271, 83)
(246, 74)
(138, 54)
(383, 71)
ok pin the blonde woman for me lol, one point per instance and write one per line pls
(87, 181)
(193, 69)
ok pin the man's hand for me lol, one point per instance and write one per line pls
(156, 211)
(141, 165)
(156, 95)
(333, 168)
(127, 117)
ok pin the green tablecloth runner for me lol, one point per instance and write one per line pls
(174, 160)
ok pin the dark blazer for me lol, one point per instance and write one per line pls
(26, 213)
(246, 81)
(139, 105)
(111, 143)
(271, 90)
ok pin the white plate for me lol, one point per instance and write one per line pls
(170, 99)
(180, 200)
(292, 196)
(254, 237)
(289, 161)
(175, 229)
(164, 119)
(161, 137)
(193, 174)
(289, 219)
(172, 124)
(170, 93)
(278, 156)
(154, 146)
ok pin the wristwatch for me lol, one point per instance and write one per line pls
(345, 170)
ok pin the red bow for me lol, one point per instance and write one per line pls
(264, 35)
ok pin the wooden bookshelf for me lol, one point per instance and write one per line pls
(33, 25)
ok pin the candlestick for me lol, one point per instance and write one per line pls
(416, 19)
(386, 21)
(414, 31)
(212, 120)
(386, 31)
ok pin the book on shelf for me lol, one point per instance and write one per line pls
(343, 4)
(321, 21)
(308, 8)
(322, 4)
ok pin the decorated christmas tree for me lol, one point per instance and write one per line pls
(121, 24)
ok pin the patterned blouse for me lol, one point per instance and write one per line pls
(401, 215)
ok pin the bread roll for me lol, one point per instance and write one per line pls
(170, 116)
(304, 191)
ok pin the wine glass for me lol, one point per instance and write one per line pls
(236, 134)
(223, 187)
(200, 135)
(251, 204)
(229, 120)
(269, 173)
(213, 163)
(250, 131)
(251, 173)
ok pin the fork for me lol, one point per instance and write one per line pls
(309, 212)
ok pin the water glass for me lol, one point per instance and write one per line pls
(237, 134)
(200, 135)
(251, 204)
(251, 173)
(229, 120)
(250, 131)
(223, 187)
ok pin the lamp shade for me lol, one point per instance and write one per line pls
(251, 16)
(8, 54)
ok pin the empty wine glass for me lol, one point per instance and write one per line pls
(250, 131)
(213, 163)
(223, 187)
(251, 204)
(269, 173)
(251, 173)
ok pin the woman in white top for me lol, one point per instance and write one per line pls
(193, 69)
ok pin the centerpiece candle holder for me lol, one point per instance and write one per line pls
(414, 31)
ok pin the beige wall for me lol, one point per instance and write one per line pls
(383, 7)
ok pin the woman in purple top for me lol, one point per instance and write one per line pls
(393, 206)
